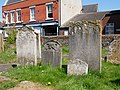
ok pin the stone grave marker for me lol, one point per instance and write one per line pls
(77, 67)
(26, 47)
(52, 53)
(85, 43)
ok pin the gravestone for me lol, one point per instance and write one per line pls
(1, 43)
(114, 51)
(52, 54)
(85, 43)
(26, 47)
(77, 67)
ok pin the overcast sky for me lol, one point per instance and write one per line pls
(104, 5)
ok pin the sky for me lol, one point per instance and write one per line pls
(103, 5)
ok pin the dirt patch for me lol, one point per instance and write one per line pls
(3, 78)
(27, 85)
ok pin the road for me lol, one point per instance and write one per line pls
(4, 67)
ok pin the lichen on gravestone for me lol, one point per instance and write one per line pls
(52, 53)
(77, 67)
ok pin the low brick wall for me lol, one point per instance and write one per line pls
(107, 39)
(62, 39)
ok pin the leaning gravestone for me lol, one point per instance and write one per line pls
(26, 46)
(77, 67)
(52, 53)
(85, 43)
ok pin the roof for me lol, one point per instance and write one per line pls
(90, 8)
(87, 17)
(11, 1)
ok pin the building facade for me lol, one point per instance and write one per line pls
(111, 22)
(45, 16)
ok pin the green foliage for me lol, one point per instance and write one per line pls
(8, 56)
(65, 49)
(7, 84)
(109, 79)
(11, 36)
(104, 52)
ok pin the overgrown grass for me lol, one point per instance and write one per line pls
(109, 79)
(8, 56)
(7, 84)
(65, 50)
(104, 52)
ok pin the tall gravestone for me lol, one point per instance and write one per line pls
(26, 46)
(52, 54)
(85, 43)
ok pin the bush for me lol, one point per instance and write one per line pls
(11, 37)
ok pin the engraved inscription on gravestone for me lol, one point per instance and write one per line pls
(26, 47)
(52, 53)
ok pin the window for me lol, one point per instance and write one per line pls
(6, 18)
(18, 15)
(109, 28)
(66, 33)
(12, 17)
(49, 10)
(32, 13)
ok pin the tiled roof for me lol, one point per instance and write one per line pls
(12, 1)
(90, 8)
(87, 17)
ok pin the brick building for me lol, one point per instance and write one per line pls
(45, 16)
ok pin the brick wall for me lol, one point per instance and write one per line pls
(40, 9)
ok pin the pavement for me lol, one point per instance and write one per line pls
(5, 67)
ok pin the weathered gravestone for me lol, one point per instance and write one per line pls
(52, 53)
(1, 43)
(26, 46)
(114, 51)
(77, 67)
(85, 43)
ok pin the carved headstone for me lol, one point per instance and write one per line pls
(26, 47)
(77, 67)
(52, 53)
(85, 44)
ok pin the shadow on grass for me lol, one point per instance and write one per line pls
(117, 81)
(65, 68)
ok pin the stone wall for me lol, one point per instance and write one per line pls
(62, 39)
(114, 51)
(107, 39)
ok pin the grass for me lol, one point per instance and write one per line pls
(104, 52)
(109, 79)
(8, 56)
(65, 50)
(7, 84)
